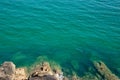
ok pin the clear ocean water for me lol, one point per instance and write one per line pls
(70, 32)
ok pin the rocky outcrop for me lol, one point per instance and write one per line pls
(43, 69)
(8, 71)
(44, 72)
(20, 74)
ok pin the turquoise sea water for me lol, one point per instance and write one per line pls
(70, 32)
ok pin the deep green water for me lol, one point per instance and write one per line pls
(70, 32)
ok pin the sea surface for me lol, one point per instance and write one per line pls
(73, 33)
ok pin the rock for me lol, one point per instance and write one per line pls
(57, 71)
(8, 71)
(61, 77)
(2, 74)
(45, 68)
(58, 74)
(103, 70)
(42, 70)
(65, 78)
(45, 77)
(89, 76)
(5, 78)
(74, 78)
(9, 68)
(20, 74)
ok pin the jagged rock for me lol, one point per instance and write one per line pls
(2, 72)
(57, 71)
(9, 68)
(42, 70)
(7, 71)
(20, 74)
(58, 74)
(104, 71)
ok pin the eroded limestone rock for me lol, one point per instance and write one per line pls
(9, 68)
(44, 72)
(43, 69)
(8, 71)
(20, 74)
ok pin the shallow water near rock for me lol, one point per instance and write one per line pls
(70, 32)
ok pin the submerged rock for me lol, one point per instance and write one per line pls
(65, 78)
(89, 76)
(104, 71)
